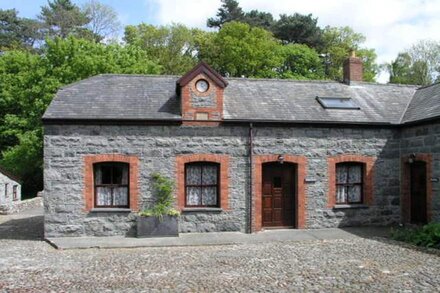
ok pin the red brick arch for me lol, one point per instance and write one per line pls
(133, 162)
(301, 198)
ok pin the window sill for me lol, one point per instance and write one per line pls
(204, 210)
(110, 210)
(350, 206)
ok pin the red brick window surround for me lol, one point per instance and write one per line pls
(257, 188)
(406, 185)
(182, 161)
(89, 181)
(341, 161)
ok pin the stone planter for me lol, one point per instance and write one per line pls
(167, 226)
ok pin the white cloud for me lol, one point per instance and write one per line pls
(390, 26)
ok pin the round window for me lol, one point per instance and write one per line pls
(202, 85)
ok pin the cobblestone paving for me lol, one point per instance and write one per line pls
(373, 265)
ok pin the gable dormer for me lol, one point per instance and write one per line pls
(201, 94)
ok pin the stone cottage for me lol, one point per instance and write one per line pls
(245, 154)
(10, 190)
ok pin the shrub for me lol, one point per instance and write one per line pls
(163, 190)
(427, 236)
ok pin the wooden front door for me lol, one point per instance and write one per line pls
(278, 200)
(418, 192)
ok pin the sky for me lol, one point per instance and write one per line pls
(390, 26)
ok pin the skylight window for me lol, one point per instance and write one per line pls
(337, 103)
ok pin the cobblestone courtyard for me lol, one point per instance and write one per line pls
(28, 264)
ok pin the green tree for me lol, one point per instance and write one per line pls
(62, 18)
(229, 11)
(404, 70)
(241, 50)
(338, 42)
(420, 64)
(17, 32)
(29, 82)
(298, 29)
(173, 46)
(300, 62)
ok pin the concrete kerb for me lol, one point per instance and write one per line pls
(217, 238)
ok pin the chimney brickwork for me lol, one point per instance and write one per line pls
(353, 69)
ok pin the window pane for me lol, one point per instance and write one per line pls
(117, 174)
(355, 174)
(193, 196)
(341, 173)
(209, 196)
(104, 196)
(98, 175)
(354, 193)
(209, 175)
(193, 175)
(120, 195)
(341, 195)
(106, 174)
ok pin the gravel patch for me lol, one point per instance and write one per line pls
(356, 265)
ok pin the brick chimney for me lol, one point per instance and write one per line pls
(353, 68)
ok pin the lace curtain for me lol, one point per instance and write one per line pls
(349, 180)
(115, 195)
(199, 181)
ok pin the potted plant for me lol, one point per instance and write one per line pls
(161, 220)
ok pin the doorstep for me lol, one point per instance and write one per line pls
(219, 238)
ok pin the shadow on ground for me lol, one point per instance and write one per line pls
(29, 228)
(383, 234)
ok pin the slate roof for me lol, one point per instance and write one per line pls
(109, 96)
(9, 175)
(144, 97)
(424, 105)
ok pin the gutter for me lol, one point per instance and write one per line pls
(251, 173)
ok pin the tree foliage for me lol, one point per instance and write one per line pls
(104, 21)
(29, 82)
(173, 47)
(229, 11)
(298, 29)
(241, 50)
(338, 42)
(300, 62)
(62, 18)
(17, 32)
(420, 64)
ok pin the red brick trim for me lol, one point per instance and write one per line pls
(133, 162)
(405, 197)
(301, 198)
(223, 160)
(368, 162)
(215, 114)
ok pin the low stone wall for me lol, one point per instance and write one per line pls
(20, 206)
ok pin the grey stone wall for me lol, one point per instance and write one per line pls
(425, 139)
(22, 205)
(157, 147)
(6, 193)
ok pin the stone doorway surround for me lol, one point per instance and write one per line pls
(300, 201)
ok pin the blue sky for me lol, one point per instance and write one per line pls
(389, 25)
(130, 12)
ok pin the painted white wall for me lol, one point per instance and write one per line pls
(6, 197)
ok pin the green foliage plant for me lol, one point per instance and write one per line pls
(163, 191)
(427, 236)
